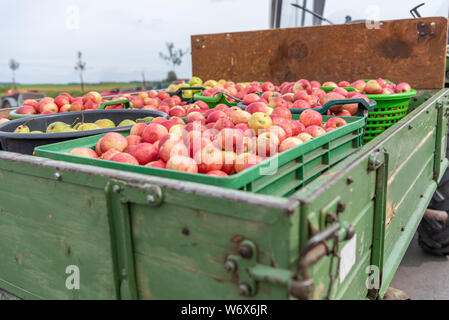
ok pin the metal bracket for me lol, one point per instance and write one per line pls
(119, 194)
(424, 29)
(299, 283)
(375, 160)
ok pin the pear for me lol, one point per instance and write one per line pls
(126, 122)
(36, 131)
(22, 129)
(87, 126)
(56, 127)
(143, 120)
(105, 123)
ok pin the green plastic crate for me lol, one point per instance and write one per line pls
(295, 167)
(212, 102)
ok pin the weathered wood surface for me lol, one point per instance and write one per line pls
(327, 53)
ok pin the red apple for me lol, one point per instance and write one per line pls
(113, 140)
(315, 131)
(289, 143)
(311, 117)
(335, 123)
(209, 158)
(359, 85)
(154, 132)
(124, 158)
(143, 152)
(26, 109)
(403, 87)
(133, 140)
(137, 129)
(84, 152)
(282, 112)
(215, 115)
(373, 87)
(172, 147)
(156, 164)
(217, 173)
(109, 154)
(256, 107)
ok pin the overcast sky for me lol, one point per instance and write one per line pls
(120, 39)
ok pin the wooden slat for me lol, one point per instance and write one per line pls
(327, 53)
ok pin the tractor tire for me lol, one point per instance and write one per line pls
(433, 235)
(6, 105)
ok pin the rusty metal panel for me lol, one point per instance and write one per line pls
(396, 51)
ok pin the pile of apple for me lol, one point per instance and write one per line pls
(304, 94)
(62, 103)
(239, 90)
(379, 86)
(221, 142)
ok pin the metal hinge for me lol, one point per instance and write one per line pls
(300, 285)
(119, 195)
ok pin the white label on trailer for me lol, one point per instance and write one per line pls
(347, 254)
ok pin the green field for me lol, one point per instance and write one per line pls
(52, 90)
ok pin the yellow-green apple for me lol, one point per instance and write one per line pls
(373, 87)
(259, 122)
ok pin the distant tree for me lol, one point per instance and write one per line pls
(171, 76)
(80, 66)
(14, 65)
(174, 56)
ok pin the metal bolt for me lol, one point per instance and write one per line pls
(244, 289)
(410, 127)
(230, 266)
(349, 180)
(246, 251)
(341, 206)
(150, 198)
(350, 232)
(57, 175)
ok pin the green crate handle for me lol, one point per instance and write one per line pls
(125, 102)
(180, 90)
(228, 95)
(363, 106)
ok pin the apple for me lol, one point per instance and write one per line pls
(330, 97)
(302, 85)
(30, 102)
(209, 158)
(240, 116)
(62, 100)
(301, 104)
(256, 107)
(267, 144)
(137, 129)
(109, 154)
(3, 120)
(277, 102)
(228, 161)
(304, 136)
(50, 106)
(163, 95)
(65, 108)
(195, 116)
(359, 85)
(283, 112)
(133, 140)
(26, 109)
(403, 87)
(172, 147)
(245, 160)
(143, 152)
(301, 95)
(113, 140)
(383, 83)
(330, 84)
(341, 91)
(298, 127)
(278, 131)
(268, 86)
(177, 111)
(315, 84)
(344, 113)
(182, 163)
(217, 173)
(289, 143)
(373, 87)
(229, 139)
(156, 164)
(335, 123)
(124, 158)
(154, 132)
(259, 122)
(344, 84)
(84, 152)
(311, 117)
(315, 131)
(250, 98)
(92, 96)
(214, 116)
